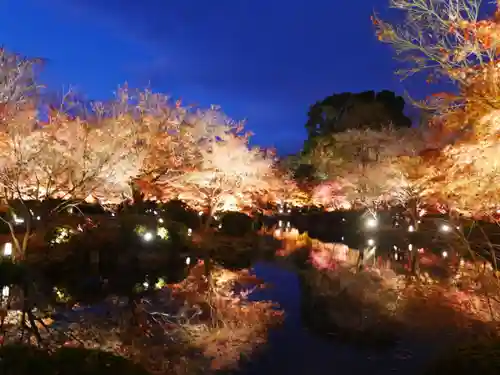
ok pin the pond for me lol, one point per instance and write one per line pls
(293, 349)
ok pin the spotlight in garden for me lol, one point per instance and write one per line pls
(7, 249)
(148, 236)
(445, 228)
(18, 220)
(444, 254)
(190, 231)
(371, 223)
(5, 291)
(188, 261)
(200, 213)
(371, 242)
(411, 228)
(160, 220)
(38, 217)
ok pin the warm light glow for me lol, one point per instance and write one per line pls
(18, 220)
(445, 228)
(371, 223)
(148, 236)
(371, 242)
(411, 228)
(7, 249)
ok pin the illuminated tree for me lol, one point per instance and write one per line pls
(228, 170)
(447, 39)
(360, 161)
(63, 159)
(17, 78)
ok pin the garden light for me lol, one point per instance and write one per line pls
(5, 291)
(445, 254)
(371, 242)
(411, 228)
(410, 247)
(7, 249)
(188, 261)
(371, 223)
(18, 220)
(190, 231)
(200, 213)
(162, 233)
(445, 228)
(160, 220)
(38, 217)
(148, 236)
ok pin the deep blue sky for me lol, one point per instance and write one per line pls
(264, 60)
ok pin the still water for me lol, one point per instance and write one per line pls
(293, 350)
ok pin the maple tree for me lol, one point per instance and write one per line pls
(359, 165)
(448, 40)
(228, 169)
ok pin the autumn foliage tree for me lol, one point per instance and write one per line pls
(228, 171)
(447, 40)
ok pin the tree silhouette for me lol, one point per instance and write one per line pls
(368, 109)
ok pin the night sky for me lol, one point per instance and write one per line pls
(264, 60)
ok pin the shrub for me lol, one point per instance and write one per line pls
(236, 224)
(180, 212)
(481, 357)
(28, 360)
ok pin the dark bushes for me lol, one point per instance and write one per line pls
(28, 360)
(237, 224)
